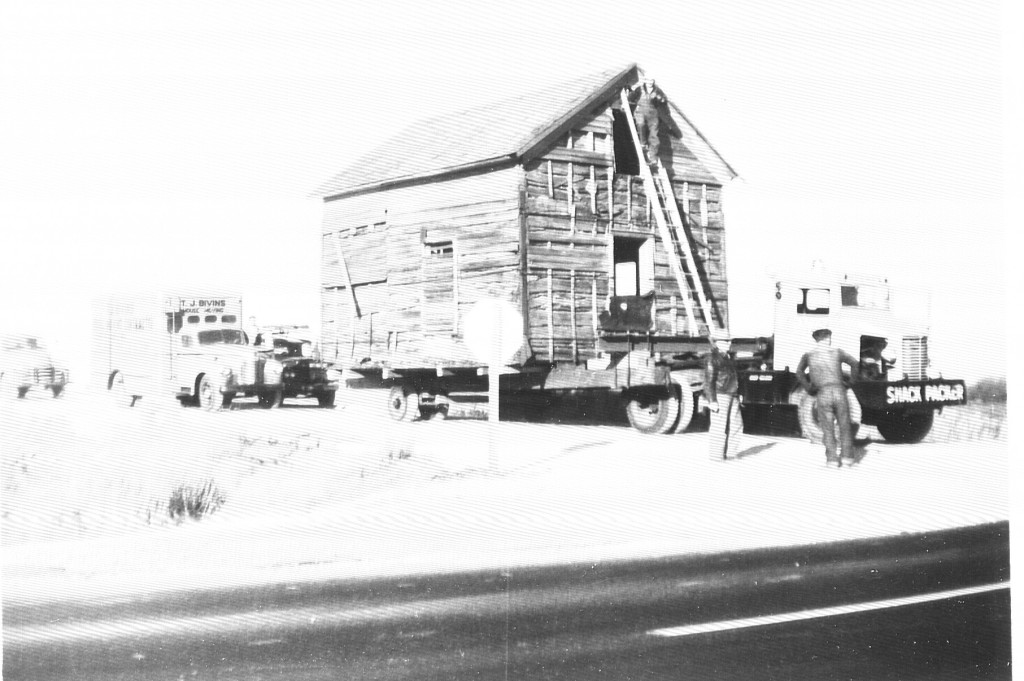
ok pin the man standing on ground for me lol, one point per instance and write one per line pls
(720, 387)
(820, 372)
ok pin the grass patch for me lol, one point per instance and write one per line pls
(195, 502)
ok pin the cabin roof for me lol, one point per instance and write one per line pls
(495, 135)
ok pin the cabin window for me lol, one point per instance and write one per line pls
(626, 160)
(813, 301)
(873, 297)
(634, 266)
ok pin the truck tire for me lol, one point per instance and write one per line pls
(209, 396)
(270, 399)
(687, 407)
(326, 399)
(118, 391)
(808, 416)
(906, 427)
(403, 403)
(653, 411)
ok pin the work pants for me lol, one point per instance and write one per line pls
(725, 428)
(833, 407)
(647, 124)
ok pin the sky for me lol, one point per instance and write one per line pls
(161, 145)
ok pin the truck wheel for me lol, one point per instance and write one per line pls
(808, 417)
(57, 390)
(118, 391)
(209, 396)
(653, 412)
(906, 427)
(22, 392)
(326, 399)
(403, 404)
(687, 407)
(270, 399)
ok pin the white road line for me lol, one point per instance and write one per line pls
(727, 625)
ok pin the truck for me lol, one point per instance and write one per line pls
(303, 374)
(614, 260)
(25, 363)
(191, 347)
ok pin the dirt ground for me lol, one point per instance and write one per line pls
(78, 467)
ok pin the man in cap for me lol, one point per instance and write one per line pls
(720, 387)
(648, 118)
(820, 372)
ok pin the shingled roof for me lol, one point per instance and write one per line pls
(493, 135)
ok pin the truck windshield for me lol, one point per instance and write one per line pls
(228, 336)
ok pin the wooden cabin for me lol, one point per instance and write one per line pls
(537, 200)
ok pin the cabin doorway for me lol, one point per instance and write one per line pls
(626, 160)
(440, 288)
(633, 259)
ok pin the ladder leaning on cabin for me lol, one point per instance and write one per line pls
(672, 232)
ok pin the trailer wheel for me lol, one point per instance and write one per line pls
(403, 404)
(57, 390)
(270, 399)
(906, 427)
(808, 416)
(653, 412)
(118, 391)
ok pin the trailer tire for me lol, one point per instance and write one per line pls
(653, 411)
(808, 416)
(907, 427)
(403, 403)
(119, 395)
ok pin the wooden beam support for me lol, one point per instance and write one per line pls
(551, 321)
(572, 315)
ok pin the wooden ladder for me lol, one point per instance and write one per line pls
(673, 234)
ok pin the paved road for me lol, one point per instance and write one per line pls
(932, 605)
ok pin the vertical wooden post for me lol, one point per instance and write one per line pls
(704, 220)
(572, 221)
(571, 178)
(611, 196)
(572, 314)
(593, 307)
(593, 184)
(686, 198)
(629, 201)
(455, 287)
(551, 182)
(551, 321)
(675, 318)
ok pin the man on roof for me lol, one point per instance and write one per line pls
(648, 118)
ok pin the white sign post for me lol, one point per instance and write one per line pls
(493, 330)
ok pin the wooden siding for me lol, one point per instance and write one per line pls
(408, 314)
(575, 204)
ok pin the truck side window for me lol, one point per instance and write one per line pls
(813, 301)
(186, 341)
(228, 318)
(193, 319)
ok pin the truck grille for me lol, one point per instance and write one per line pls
(915, 357)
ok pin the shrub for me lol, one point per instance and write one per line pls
(194, 502)
(988, 390)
